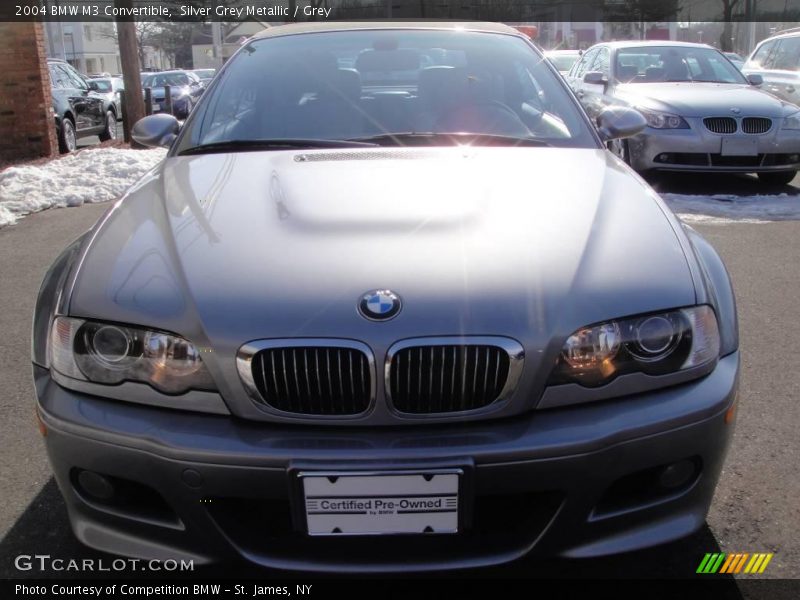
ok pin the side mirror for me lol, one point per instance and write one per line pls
(156, 130)
(755, 79)
(620, 122)
(595, 78)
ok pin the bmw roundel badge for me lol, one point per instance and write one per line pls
(379, 305)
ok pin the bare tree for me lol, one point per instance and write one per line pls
(725, 42)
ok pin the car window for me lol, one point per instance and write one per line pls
(787, 54)
(582, 67)
(73, 79)
(646, 64)
(601, 61)
(162, 79)
(59, 78)
(103, 85)
(400, 81)
(762, 57)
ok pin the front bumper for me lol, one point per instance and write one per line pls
(180, 105)
(213, 488)
(699, 150)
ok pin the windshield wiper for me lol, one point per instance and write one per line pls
(428, 137)
(271, 144)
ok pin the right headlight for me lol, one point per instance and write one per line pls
(654, 343)
(792, 121)
(662, 120)
(111, 354)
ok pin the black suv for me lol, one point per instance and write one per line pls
(79, 112)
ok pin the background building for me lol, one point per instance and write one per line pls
(89, 47)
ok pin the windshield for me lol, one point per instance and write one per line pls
(206, 73)
(649, 64)
(562, 62)
(103, 85)
(162, 79)
(354, 85)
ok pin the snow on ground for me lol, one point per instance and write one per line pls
(729, 208)
(91, 175)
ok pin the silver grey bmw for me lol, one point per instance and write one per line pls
(388, 303)
(702, 114)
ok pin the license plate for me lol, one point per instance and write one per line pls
(356, 503)
(156, 108)
(739, 147)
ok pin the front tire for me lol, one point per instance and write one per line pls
(67, 138)
(777, 178)
(110, 131)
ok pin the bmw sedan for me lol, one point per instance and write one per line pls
(338, 329)
(702, 114)
(185, 89)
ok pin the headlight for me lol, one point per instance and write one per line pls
(662, 120)
(655, 344)
(792, 121)
(109, 353)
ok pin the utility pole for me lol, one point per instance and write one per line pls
(749, 17)
(129, 56)
(216, 40)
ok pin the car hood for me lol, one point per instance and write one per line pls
(529, 243)
(702, 99)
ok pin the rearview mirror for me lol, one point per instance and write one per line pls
(620, 122)
(755, 79)
(156, 130)
(595, 78)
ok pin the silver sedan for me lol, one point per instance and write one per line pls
(702, 113)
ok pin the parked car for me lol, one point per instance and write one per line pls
(110, 88)
(563, 59)
(205, 75)
(79, 110)
(702, 113)
(185, 90)
(777, 61)
(737, 60)
(339, 310)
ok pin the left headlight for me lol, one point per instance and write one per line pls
(792, 121)
(662, 120)
(655, 344)
(110, 353)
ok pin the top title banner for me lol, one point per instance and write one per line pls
(320, 10)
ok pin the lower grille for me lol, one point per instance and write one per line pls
(443, 378)
(756, 125)
(720, 124)
(313, 380)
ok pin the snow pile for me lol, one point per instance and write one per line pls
(91, 175)
(729, 208)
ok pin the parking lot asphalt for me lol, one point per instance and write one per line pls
(755, 508)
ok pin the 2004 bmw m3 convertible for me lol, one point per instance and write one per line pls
(388, 303)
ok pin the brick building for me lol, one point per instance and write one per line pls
(27, 126)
